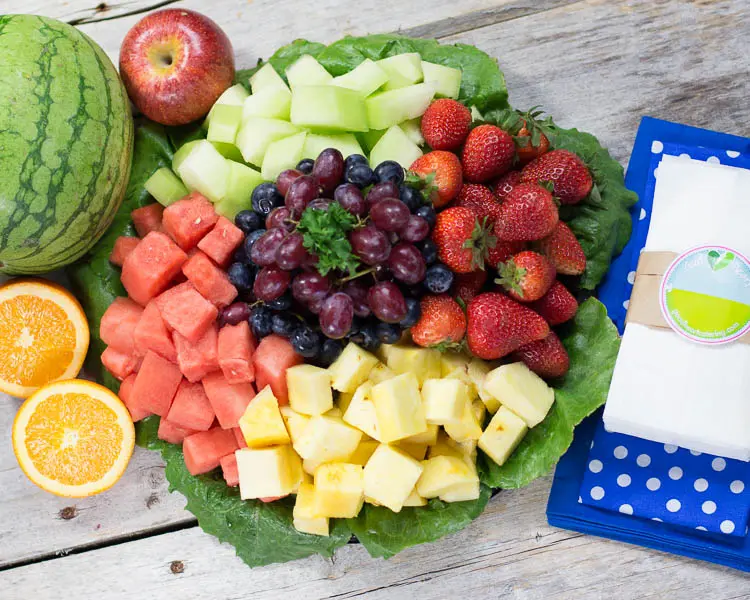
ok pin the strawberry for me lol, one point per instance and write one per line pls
(502, 251)
(556, 306)
(527, 276)
(568, 174)
(443, 322)
(488, 153)
(506, 183)
(497, 325)
(481, 200)
(469, 285)
(547, 358)
(528, 213)
(440, 171)
(445, 124)
(563, 250)
(530, 139)
(461, 240)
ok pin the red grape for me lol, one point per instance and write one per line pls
(415, 230)
(263, 252)
(291, 253)
(320, 204)
(314, 306)
(406, 263)
(381, 191)
(390, 214)
(387, 302)
(370, 244)
(310, 286)
(234, 313)
(350, 197)
(336, 315)
(329, 169)
(357, 290)
(285, 178)
(270, 283)
(302, 191)
(280, 217)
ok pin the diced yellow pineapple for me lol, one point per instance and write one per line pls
(462, 375)
(398, 405)
(469, 450)
(361, 411)
(267, 472)
(351, 368)
(416, 451)
(445, 446)
(424, 363)
(344, 400)
(477, 372)
(461, 492)
(339, 490)
(522, 391)
(429, 436)
(444, 400)
(390, 476)
(296, 471)
(363, 452)
(479, 410)
(467, 427)
(306, 478)
(504, 432)
(334, 412)
(441, 473)
(414, 499)
(309, 389)
(450, 361)
(327, 439)
(295, 422)
(262, 424)
(380, 372)
(310, 466)
(305, 518)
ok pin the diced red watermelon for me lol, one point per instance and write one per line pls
(123, 246)
(151, 334)
(125, 393)
(229, 470)
(236, 347)
(117, 327)
(204, 450)
(239, 437)
(191, 408)
(147, 218)
(186, 311)
(120, 364)
(228, 400)
(221, 242)
(209, 280)
(189, 219)
(151, 266)
(198, 359)
(271, 359)
(156, 384)
(172, 433)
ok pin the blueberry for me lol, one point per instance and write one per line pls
(265, 198)
(411, 197)
(329, 351)
(359, 174)
(428, 214)
(240, 256)
(260, 321)
(241, 276)
(388, 333)
(390, 170)
(250, 239)
(281, 303)
(248, 221)
(429, 251)
(413, 312)
(354, 159)
(438, 279)
(284, 324)
(366, 337)
(306, 342)
(305, 166)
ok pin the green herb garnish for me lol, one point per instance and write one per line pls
(324, 235)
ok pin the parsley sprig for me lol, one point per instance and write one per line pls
(324, 234)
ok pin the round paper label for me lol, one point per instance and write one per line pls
(705, 295)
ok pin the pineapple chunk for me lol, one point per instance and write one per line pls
(468, 427)
(262, 424)
(414, 499)
(339, 490)
(363, 452)
(445, 446)
(351, 368)
(309, 389)
(503, 434)
(305, 519)
(416, 451)
(469, 450)
(477, 372)
(327, 439)
(444, 400)
(296, 470)
(461, 492)
(429, 436)
(442, 473)
(334, 412)
(479, 410)
(361, 411)
(450, 361)
(295, 422)
(398, 405)
(344, 399)
(390, 476)
(380, 372)
(267, 472)
(522, 391)
(463, 376)
(422, 362)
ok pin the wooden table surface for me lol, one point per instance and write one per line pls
(596, 64)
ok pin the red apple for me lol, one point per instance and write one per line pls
(175, 63)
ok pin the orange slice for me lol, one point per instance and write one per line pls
(44, 335)
(73, 438)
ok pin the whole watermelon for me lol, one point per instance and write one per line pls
(66, 140)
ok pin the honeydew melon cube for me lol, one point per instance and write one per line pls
(502, 435)
(361, 411)
(165, 186)
(395, 145)
(315, 143)
(414, 499)
(380, 372)
(205, 170)
(309, 389)
(390, 476)
(271, 103)
(351, 368)
(327, 439)
(257, 133)
(339, 490)
(402, 70)
(365, 78)
(461, 492)
(388, 108)
(262, 424)
(447, 80)
(232, 96)
(413, 130)
(429, 436)
(398, 405)
(444, 400)
(225, 124)
(307, 71)
(370, 138)
(468, 426)
(424, 363)
(441, 473)
(328, 107)
(522, 391)
(305, 519)
(416, 451)
(182, 153)
(281, 155)
(242, 181)
(266, 77)
(363, 452)
(229, 151)
(268, 472)
(295, 422)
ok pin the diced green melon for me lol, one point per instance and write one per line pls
(229, 151)
(266, 77)
(365, 78)
(368, 139)
(282, 154)
(271, 103)
(181, 154)
(232, 96)
(205, 170)
(165, 186)
(447, 80)
(307, 71)
(475, 114)
(385, 109)
(224, 124)
(395, 145)
(402, 70)
(257, 133)
(328, 107)
(242, 181)
(346, 143)
(413, 130)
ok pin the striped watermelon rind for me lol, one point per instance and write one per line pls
(66, 140)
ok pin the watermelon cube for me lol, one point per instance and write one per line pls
(229, 470)
(117, 327)
(236, 346)
(229, 400)
(126, 388)
(151, 266)
(239, 437)
(221, 242)
(156, 384)
(209, 280)
(119, 363)
(147, 218)
(196, 360)
(191, 408)
(151, 334)
(172, 433)
(271, 359)
(123, 246)
(189, 219)
(204, 450)
(187, 312)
